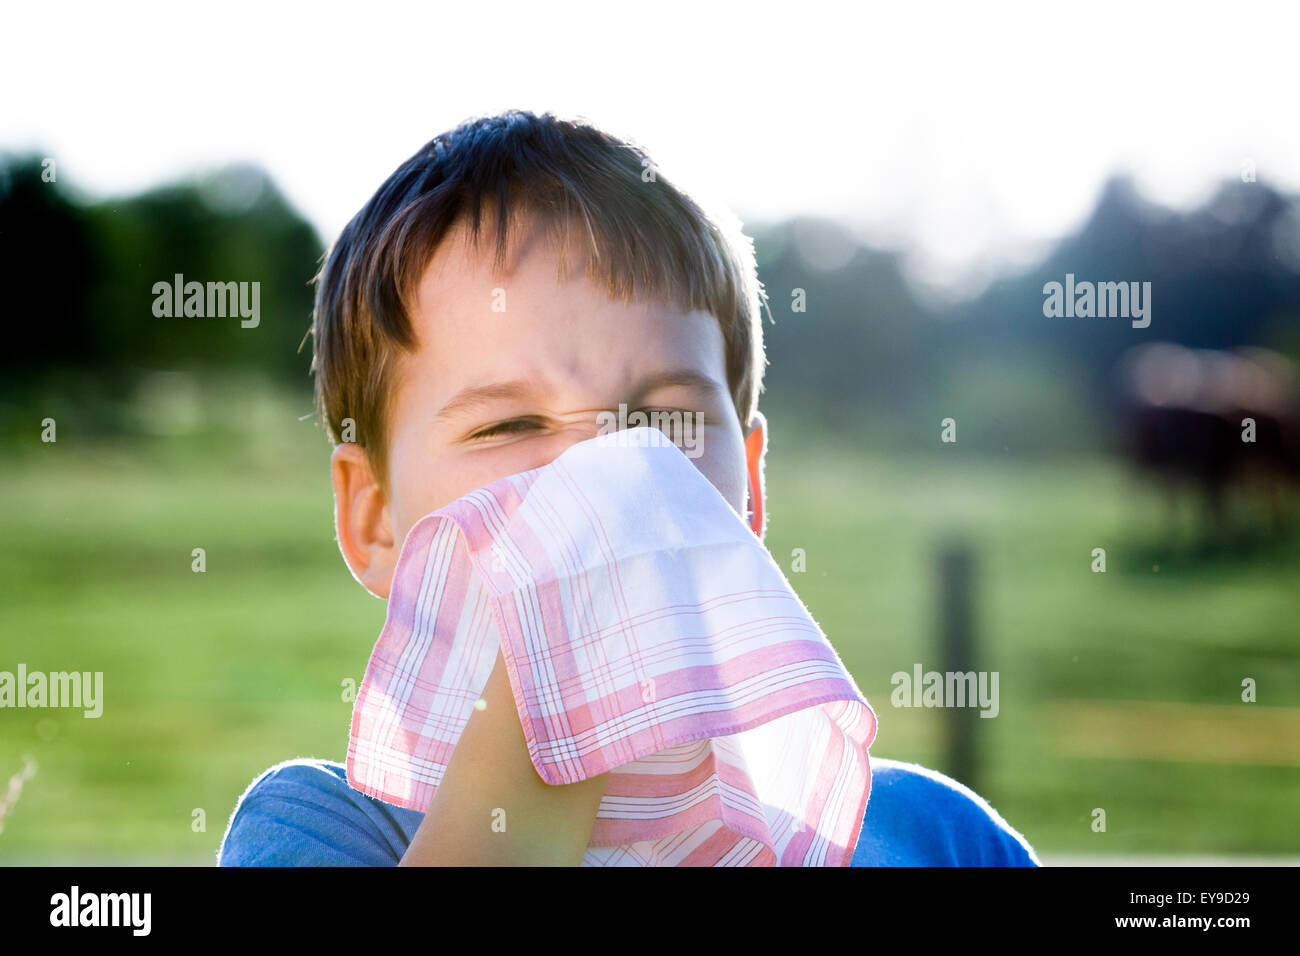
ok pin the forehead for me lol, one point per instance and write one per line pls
(473, 322)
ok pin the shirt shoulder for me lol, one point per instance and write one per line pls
(920, 817)
(303, 812)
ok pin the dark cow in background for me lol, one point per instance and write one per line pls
(1186, 412)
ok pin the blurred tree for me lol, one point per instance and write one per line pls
(82, 276)
(51, 263)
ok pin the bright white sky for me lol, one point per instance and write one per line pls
(969, 133)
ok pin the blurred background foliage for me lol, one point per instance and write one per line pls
(1119, 691)
(867, 355)
(85, 272)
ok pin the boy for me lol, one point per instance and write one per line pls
(513, 280)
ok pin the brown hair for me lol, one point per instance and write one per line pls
(646, 239)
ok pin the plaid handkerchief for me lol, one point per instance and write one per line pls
(647, 632)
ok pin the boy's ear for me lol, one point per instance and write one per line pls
(755, 457)
(361, 520)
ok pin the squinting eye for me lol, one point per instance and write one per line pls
(506, 428)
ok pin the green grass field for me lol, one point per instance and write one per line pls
(1119, 691)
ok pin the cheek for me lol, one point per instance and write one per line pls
(410, 500)
(423, 481)
(419, 483)
(723, 463)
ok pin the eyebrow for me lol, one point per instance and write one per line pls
(481, 394)
(522, 388)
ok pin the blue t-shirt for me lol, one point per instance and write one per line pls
(303, 813)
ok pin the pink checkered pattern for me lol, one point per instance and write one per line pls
(646, 632)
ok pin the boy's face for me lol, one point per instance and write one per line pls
(490, 392)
